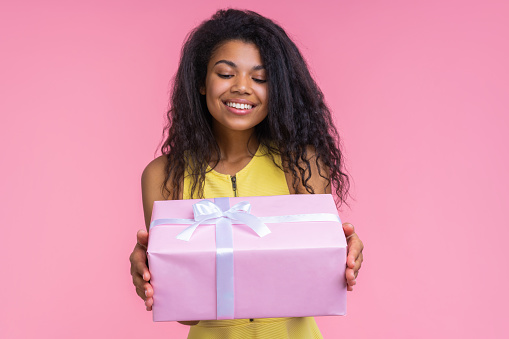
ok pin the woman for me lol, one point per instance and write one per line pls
(246, 119)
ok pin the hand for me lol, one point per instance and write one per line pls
(139, 269)
(354, 257)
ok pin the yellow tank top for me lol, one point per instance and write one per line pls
(260, 177)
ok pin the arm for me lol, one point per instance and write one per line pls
(151, 183)
(354, 243)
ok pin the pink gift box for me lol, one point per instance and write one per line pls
(296, 270)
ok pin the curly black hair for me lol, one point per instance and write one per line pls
(297, 119)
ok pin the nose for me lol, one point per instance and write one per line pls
(242, 84)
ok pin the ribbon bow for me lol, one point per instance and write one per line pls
(220, 212)
(206, 211)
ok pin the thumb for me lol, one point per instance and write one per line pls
(142, 238)
(348, 229)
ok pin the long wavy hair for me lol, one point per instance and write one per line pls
(297, 119)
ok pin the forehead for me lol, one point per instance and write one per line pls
(239, 52)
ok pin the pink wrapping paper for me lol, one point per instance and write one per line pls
(297, 270)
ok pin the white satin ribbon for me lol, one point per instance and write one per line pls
(207, 212)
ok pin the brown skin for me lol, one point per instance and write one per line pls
(236, 139)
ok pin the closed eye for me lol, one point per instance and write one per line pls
(224, 76)
(260, 81)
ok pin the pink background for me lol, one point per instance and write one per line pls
(420, 93)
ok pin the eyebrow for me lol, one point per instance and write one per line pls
(232, 64)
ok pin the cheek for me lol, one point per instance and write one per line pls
(263, 91)
(212, 95)
(215, 89)
(263, 96)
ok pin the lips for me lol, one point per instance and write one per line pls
(239, 104)
(239, 108)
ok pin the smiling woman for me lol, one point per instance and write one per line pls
(236, 56)
(235, 88)
(246, 119)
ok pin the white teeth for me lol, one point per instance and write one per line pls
(239, 106)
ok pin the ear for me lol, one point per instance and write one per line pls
(202, 90)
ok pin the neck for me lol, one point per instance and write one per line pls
(235, 145)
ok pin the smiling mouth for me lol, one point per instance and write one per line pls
(237, 105)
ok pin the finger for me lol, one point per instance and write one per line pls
(142, 238)
(355, 248)
(350, 276)
(140, 275)
(349, 288)
(144, 290)
(139, 253)
(358, 264)
(149, 291)
(143, 271)
(141, 293)
(138, 281)
(149, 302)
(139, 263)
(140, 271)
(348, 229)
(351, 273)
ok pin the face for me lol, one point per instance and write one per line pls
(236, 87)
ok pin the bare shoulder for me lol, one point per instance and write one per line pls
(152, 180)
(319, 179)
(154, 172)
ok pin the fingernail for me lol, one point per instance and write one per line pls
(353, 282)
(145, 293)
